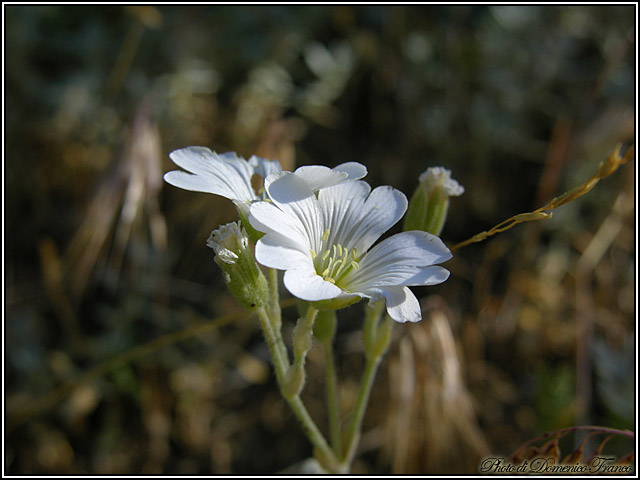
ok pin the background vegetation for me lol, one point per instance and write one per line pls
(534, 331)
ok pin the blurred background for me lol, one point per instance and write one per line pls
(124, 354)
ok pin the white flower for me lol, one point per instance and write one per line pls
(224, 174)
(322, 242)
(440, 175)
(228, 175)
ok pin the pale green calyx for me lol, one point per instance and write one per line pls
(429, 204)
(226, 241)
(242, 274)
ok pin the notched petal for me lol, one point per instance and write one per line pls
(307, 285)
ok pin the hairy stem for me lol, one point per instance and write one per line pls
(376, 338)
(324, 453)
(332, 397)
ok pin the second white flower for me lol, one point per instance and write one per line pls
(323, 243)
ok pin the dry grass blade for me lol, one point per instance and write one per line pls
(598, 451)
(83, 251)
(133, 187)
(526, 451)
(606, 168)
(551, 449)
(432, 422)
(142, 158)
(576, 455)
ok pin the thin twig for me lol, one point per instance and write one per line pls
(606, 168)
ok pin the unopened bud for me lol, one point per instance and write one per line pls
(325, 325)
(235, 257)
(383, 336)
(429, 204)
(293, 381)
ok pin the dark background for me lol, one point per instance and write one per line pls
(534, 331)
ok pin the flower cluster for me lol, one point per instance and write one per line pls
(320, 225)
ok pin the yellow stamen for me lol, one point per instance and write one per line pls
(335, 263)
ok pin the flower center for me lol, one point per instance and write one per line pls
(335, 262)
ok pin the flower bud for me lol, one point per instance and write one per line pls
(383, 337)
(325, 325)
(235, 257)
(293, 381)
(429, 204)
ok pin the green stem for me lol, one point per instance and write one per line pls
(302, 341)
(281, 364)
(372, 316)
(332, 397)
(275, 312)
(274, 298)
(302, 337)
(376, 344)
(353, 433)
(323, 451)
(274, 340)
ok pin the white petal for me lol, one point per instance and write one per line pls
(293, 196)
(400, 275)
(427, 276)
(381, 210)
(318, 176)
(341, 206)
(276, 251)
(354, 170)
(192, 159)
(197, 183)
(272, 177)
(397, 261)
(226, 175)
(266, 217)
(402, 305)
(414, 248)
(305, 284)
(263, 167)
